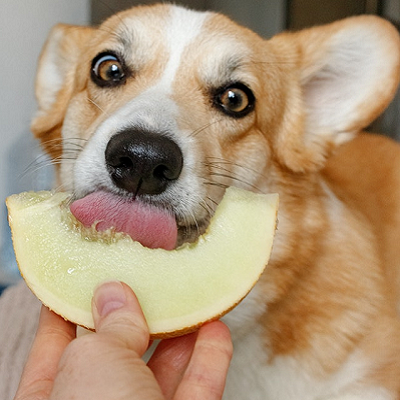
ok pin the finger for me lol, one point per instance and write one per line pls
(205, 375)
(169, 362)
(117, 314)
(52, 337)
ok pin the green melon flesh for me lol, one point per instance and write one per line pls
(62, 262)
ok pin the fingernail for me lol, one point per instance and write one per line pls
(108, 297)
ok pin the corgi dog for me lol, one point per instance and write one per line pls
(167, 107)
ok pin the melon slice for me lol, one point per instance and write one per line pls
(62, 261)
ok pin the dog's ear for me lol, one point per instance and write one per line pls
(348, 72)
(55, 82)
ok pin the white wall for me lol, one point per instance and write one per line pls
(24, 25)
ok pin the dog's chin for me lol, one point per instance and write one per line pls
(190, 233)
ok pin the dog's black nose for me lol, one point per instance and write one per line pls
(143, 162)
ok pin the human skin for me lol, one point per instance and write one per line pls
(108, 365)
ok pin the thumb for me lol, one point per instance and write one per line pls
(117, 314)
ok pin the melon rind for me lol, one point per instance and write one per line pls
(62, 262)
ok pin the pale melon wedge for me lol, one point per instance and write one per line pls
(62, 262)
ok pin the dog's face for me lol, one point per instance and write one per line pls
(171, 106)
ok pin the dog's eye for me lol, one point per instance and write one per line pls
(108, 70)
(236, 100)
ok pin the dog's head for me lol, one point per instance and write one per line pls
(170, 106)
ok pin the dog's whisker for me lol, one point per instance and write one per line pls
(38, 164)
(97, 106)
(68, 155)
(229, 171)
(187, 225)
(76, 144)
(221, 161)
(212, 201)
(39, 159)
(271, 62)
(196, 224)
(67, 150)
(204, 127)
(218, 184)
(73, 143)
(32, 170)
(65, 139)
(49, 163)
(219, 168)
(62, 140)
(210, 209)
(62, 188)
(70, 149)
(61, 160)
(237, 179)
(203, 204)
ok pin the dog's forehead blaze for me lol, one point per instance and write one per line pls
(146, 30)
(181, 42)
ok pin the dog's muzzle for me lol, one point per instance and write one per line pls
(143, 162)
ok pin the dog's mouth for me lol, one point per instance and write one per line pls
(152, 226)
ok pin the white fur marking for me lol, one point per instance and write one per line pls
(251, 376)
(184, 26)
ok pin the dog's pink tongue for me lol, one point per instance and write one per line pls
(149, 225)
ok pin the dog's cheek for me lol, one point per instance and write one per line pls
(248, 161)
(78, 126)
(81, 119)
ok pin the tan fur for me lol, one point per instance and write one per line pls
(364, 174)
(333, 283)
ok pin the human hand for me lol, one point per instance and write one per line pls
(108, 365)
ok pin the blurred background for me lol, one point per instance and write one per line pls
(24, 26)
